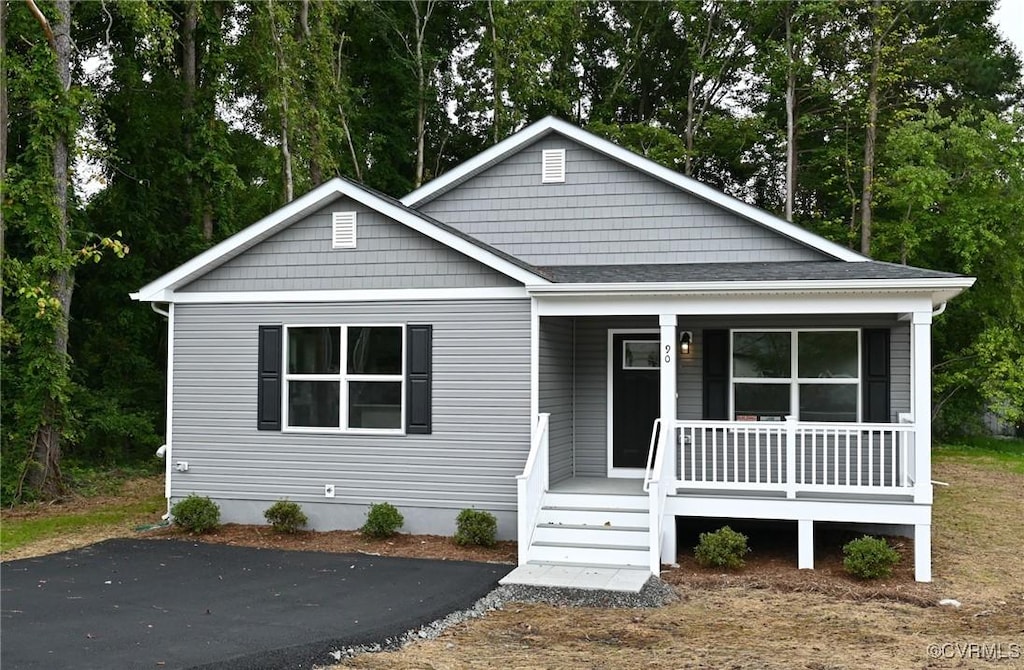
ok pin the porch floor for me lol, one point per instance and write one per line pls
(590, 578)
(612, 485)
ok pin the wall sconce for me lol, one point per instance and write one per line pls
(685, 340)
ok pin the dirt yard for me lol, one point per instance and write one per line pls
(768, 615)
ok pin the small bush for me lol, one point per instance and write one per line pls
(383, 520)
(286, 516)
(869, 557)
(196, 514)
(724, 548)
(474, 526)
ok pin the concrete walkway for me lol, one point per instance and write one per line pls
(163, 604)
(620, 580)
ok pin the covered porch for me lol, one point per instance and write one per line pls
(668, 405)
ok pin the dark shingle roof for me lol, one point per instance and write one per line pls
(707, 272)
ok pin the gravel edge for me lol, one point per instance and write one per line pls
(655, 593)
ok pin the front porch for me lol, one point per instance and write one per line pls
(715, 444)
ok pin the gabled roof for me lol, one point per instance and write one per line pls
(160, 289)
(546, 126)
(828, 271)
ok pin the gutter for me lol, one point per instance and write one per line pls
(802, 285)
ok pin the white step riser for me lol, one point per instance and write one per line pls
(587, 555)
(583, 517)
(597, 535)
(598, 501)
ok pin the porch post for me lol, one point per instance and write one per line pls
(805, 544)
(921, 400)
(923, 553)
(669, 350)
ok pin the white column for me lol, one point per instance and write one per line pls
(923, 552)
(669, 351)
(805, 544)
(921, 401)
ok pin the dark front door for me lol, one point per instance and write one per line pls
(636, 375)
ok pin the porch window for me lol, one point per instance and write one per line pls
(812, 374)
(344, 378)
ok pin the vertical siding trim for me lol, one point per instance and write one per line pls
(168, 470)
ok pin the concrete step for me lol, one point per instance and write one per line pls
(583, 534)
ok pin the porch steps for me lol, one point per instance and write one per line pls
(609, 530)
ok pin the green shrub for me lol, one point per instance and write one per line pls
(383, 520)
(724, 548)
(474, 526)
(196, 514)
(286, 516)
(869, 557)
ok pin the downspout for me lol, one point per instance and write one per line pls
(939, 310)
(164, 451)
(572, 395)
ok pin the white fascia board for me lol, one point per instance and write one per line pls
(160, 289)
(450, 240)
(346, 295)
(944, 288)
(318, 197)
(496, 153)
(514, 142)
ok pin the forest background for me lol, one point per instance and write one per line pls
(134, 135)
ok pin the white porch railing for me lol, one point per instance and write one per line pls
(658, 481)
(795, 457)
(531, 485)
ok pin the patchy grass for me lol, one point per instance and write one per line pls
(36, 528)
(995, 452)
(774, 617)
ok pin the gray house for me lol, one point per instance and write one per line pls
(561, 332)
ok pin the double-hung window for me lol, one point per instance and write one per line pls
(344, 378)
(813, 375)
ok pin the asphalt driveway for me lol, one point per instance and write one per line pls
(172, 604)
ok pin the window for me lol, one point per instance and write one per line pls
(344, 378)
(812, 374)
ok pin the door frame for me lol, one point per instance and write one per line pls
(628, 473)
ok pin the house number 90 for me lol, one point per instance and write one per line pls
(668, 353)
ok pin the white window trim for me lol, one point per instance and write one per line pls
(342, 378)
(794, 380)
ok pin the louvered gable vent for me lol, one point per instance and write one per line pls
(553, 166)
(343, 230)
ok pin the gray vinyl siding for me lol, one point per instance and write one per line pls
(481, 410)
(591, 371)
(556, 393)
(388, 255)
(605, 213)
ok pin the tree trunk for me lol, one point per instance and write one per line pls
(284, 82)
(43, 475)
(188, 63)
(790, 116)
(871, 133)
(3, 125)
(496, 68)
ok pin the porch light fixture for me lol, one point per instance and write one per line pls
(685, 339)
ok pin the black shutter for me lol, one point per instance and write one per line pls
(876, 375)
(716, 374)
(268, 393)
(418, 380)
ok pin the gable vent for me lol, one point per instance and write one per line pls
(343, 230)
(552, 166)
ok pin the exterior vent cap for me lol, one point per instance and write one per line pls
(343, 230)
(553, 166)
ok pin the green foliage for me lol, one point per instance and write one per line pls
(382, 520)
(196, 514)
(995, 453)
(477, 527)
(869, 557)
(724, 548)
(286, 516)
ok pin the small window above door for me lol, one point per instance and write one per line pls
(640, 354)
